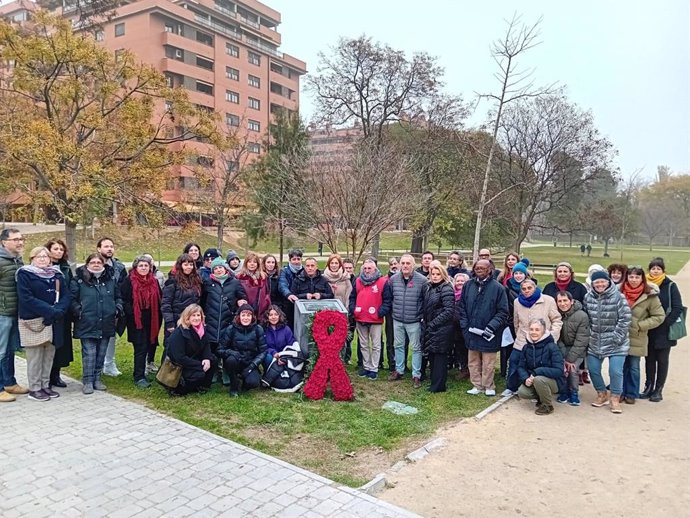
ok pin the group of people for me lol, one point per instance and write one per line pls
(230, 321)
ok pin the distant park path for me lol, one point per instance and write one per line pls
(582, 461)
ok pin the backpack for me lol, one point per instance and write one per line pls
(288, 377)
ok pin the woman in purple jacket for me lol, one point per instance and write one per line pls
(278, 333)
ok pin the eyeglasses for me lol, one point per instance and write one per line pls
(16, 239)
(484, 255)
(95, 263)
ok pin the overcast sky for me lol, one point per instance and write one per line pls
(627, 61)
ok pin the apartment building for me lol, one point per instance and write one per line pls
(225, 53)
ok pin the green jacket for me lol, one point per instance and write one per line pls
(647, 313)
(9, 264)
(574, 337)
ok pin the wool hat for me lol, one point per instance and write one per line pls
(218, 261)
(520, 267)
(599, 274)
(566, 264)
(525, 261)
(211, 253)
(245, 307)
(595, 268)
(232, 255)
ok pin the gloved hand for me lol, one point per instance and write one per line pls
(488, 333)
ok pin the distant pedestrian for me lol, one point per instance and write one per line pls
(582, 249)
(589, 249)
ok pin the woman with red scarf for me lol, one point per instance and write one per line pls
(255, 283)
(564, 280)
(141, 296)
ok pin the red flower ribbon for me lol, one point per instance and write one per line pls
(329, 364)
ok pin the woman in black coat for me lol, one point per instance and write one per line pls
(181, 290)
(141, 296)
(659, 349)
(64, 353)
(269, 263)
(438, 310)
(188, 347)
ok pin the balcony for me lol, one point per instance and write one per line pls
(263, 47)
(188, 44)
(185, 69)
(219, 28)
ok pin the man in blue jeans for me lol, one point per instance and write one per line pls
(11, 248)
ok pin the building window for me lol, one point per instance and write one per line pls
(119, 29)
(204, 63)
(232, 120)
(253, 58)
(254, 81)
(254, 125)
(204, 38)
(232, 50)
(118, 55)
(254, 104)
(232, 73)
(100, 35)
(205, 161)
(204, 88)
(254, 147)
(232, 97)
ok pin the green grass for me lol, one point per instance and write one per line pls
(347, 442)
(389, 241)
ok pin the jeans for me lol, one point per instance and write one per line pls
(573, 378)
(413, 332)
(92, 358)
(616, 363)
(9, 344)
(110, 352)
(631, 377)
(512, 378)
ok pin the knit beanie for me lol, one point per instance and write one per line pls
(599, 274)
(520, 267)
(245, 307)
(525, 261)
(595, 268)
(211, 253)
(232, 255)
(566, 264)
(218, 261)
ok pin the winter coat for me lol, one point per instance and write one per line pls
(9, 264)
(407, 297)
(438, 312)
(119, 268)
(220, 305)
(370, 302)
(574, 337)
(96, 303)
(285, 281)
(647, 313)
(66, 355)
(482, 305)
(542, 358)
(278, 338)
(258, 292)
(205, 273)
(134, 335)
(454, 270)
(512, 296)
(576, 289)
(341, 285)
(276, 297)
(246, 344)
(609, 318)
(37, 300)
(658, 337)
(174, 300)
(187, 350)
(304, 284)
(546, 309)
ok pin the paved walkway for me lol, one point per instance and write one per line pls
(103, 456)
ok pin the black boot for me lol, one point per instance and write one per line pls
(55, 379)
(648, 389)
(657, 395)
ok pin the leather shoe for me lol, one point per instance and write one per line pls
(6, 397)
(16, 390)
(57, 382)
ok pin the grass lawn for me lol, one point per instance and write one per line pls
(347, 442)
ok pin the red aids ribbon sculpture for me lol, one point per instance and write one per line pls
(329, 363)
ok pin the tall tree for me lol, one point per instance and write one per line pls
(92, 128)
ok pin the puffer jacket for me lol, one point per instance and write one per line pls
(278, 338)
(483, 304)
(175, 300)
(304, 284)
(9, 264)
(609, 318)
(670, 298)
(96, 303)
(542, 358)
(647, 313)
(187, 350)
(407, 297)
(220, 304)
(438, 311)
(246, 344)
(574, 337)
(544, 308)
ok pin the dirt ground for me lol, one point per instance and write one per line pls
(582, 461)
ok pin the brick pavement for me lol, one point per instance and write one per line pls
(100, 455)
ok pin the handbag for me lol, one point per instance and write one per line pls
(169, 374)
(677, 329)
(34, 333)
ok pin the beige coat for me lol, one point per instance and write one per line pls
(546, 309)
(647, 313)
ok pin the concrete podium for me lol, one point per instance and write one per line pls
(305, 308)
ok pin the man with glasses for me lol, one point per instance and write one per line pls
(485, 253)
(11, 248)
(106, 247)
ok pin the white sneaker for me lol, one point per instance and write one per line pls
(152, 367)
(111, 370)
(490, 392)
(474, 391)
(506, 393)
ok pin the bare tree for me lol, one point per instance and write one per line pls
(515, 84)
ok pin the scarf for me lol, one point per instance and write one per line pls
(335, 277)
(293, 269)
(44, 273)
(658, 279)
(458, 293)
(367, 280)
(514, 285)
(146, 295)
(632, 294)
(507, 278)
(200, 330)
(530, 301)
(563, 285)
(95, 273)
(220, 278)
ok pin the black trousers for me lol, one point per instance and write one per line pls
(439, 372)
(141, 350)
(505, 355)
(656, 366)
(234, 368)
(194, 379)
(457, 356)
(387, 344)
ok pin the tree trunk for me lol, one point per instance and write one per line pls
(571, 239)
(220, 230)
(375, 245)
(606, 247)
(71, 238)
(417, 244)
(281, 239)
